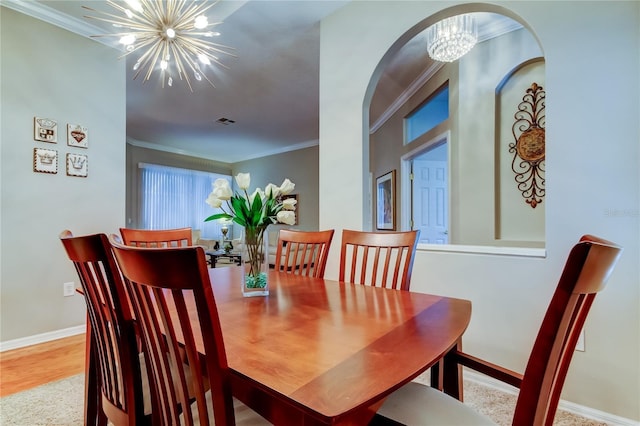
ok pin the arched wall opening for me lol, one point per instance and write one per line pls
(474, 217)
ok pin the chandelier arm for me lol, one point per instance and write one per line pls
(144, 43)
(153, 62)
(141, 16)
(148, 60)
(180, 66)
(193, 11)
(207, 45)
(180, 52)
(170, 10)
(178, 47)
(196, 51)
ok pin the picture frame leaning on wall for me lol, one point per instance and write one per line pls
(386, 201)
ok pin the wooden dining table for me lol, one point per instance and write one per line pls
(317, 351)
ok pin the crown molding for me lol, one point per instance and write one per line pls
(500, 25)
(406, 95)
(222, 159)
(52, 16)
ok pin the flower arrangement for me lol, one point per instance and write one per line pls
(255, 213)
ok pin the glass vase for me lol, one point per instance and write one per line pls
(255, 259)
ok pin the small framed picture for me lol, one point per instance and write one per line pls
(45, 130)
(77, 165)
(77, 136)
(45, 160)
(386, 201)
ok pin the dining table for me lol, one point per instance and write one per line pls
(322, 352)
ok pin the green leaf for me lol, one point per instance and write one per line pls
(218, 216)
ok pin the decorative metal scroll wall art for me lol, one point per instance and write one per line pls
(528, 148)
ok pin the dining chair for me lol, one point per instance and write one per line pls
(158, 281)
(383, 259)
(123, 385)
(157, 237)
(303, 252)
(585, 273)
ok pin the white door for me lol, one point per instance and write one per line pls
(430, 200)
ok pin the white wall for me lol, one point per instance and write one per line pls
(49, 72)
(592, 66)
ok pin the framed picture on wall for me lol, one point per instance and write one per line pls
(45, 160)
(386, 201)
(77, 136)
(297, 210)
(45, 130)
(77, 165)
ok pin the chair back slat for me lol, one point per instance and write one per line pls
(383, 259)
(113, 332)
(585, 273)
(179, 237)
(303, 252)
(160, 281)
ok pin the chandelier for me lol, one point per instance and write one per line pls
(171, 36)
(451, 38)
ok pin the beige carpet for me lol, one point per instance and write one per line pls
(61, 404)
(499, 406)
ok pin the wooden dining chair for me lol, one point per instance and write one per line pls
(112, 330)
(157, 237)
(158, 282)
(585, 273)
(303, 252)
(383, 259)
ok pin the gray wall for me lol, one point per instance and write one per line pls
(301, 167)
(49, 72)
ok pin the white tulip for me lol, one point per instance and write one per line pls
(223, 192)
(243, 180)
(220, 182)
(287, 217)
(214, 201)
(272, 190)
(289, 203)
(287, 187)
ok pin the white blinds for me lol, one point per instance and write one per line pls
(174, 198)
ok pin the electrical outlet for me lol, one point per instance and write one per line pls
(580, 343)
(68, 289)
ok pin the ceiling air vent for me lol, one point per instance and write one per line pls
(225, 121)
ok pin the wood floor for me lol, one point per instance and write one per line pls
(28, 367)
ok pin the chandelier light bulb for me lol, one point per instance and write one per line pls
(201, 22)
(451, 38)
(204, 59)
(128, 39)
(135, 5)
(164, 64)
(171, 33)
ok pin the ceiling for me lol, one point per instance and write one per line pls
(270, 89)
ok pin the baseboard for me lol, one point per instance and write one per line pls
(41, 338)
(571, 407)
